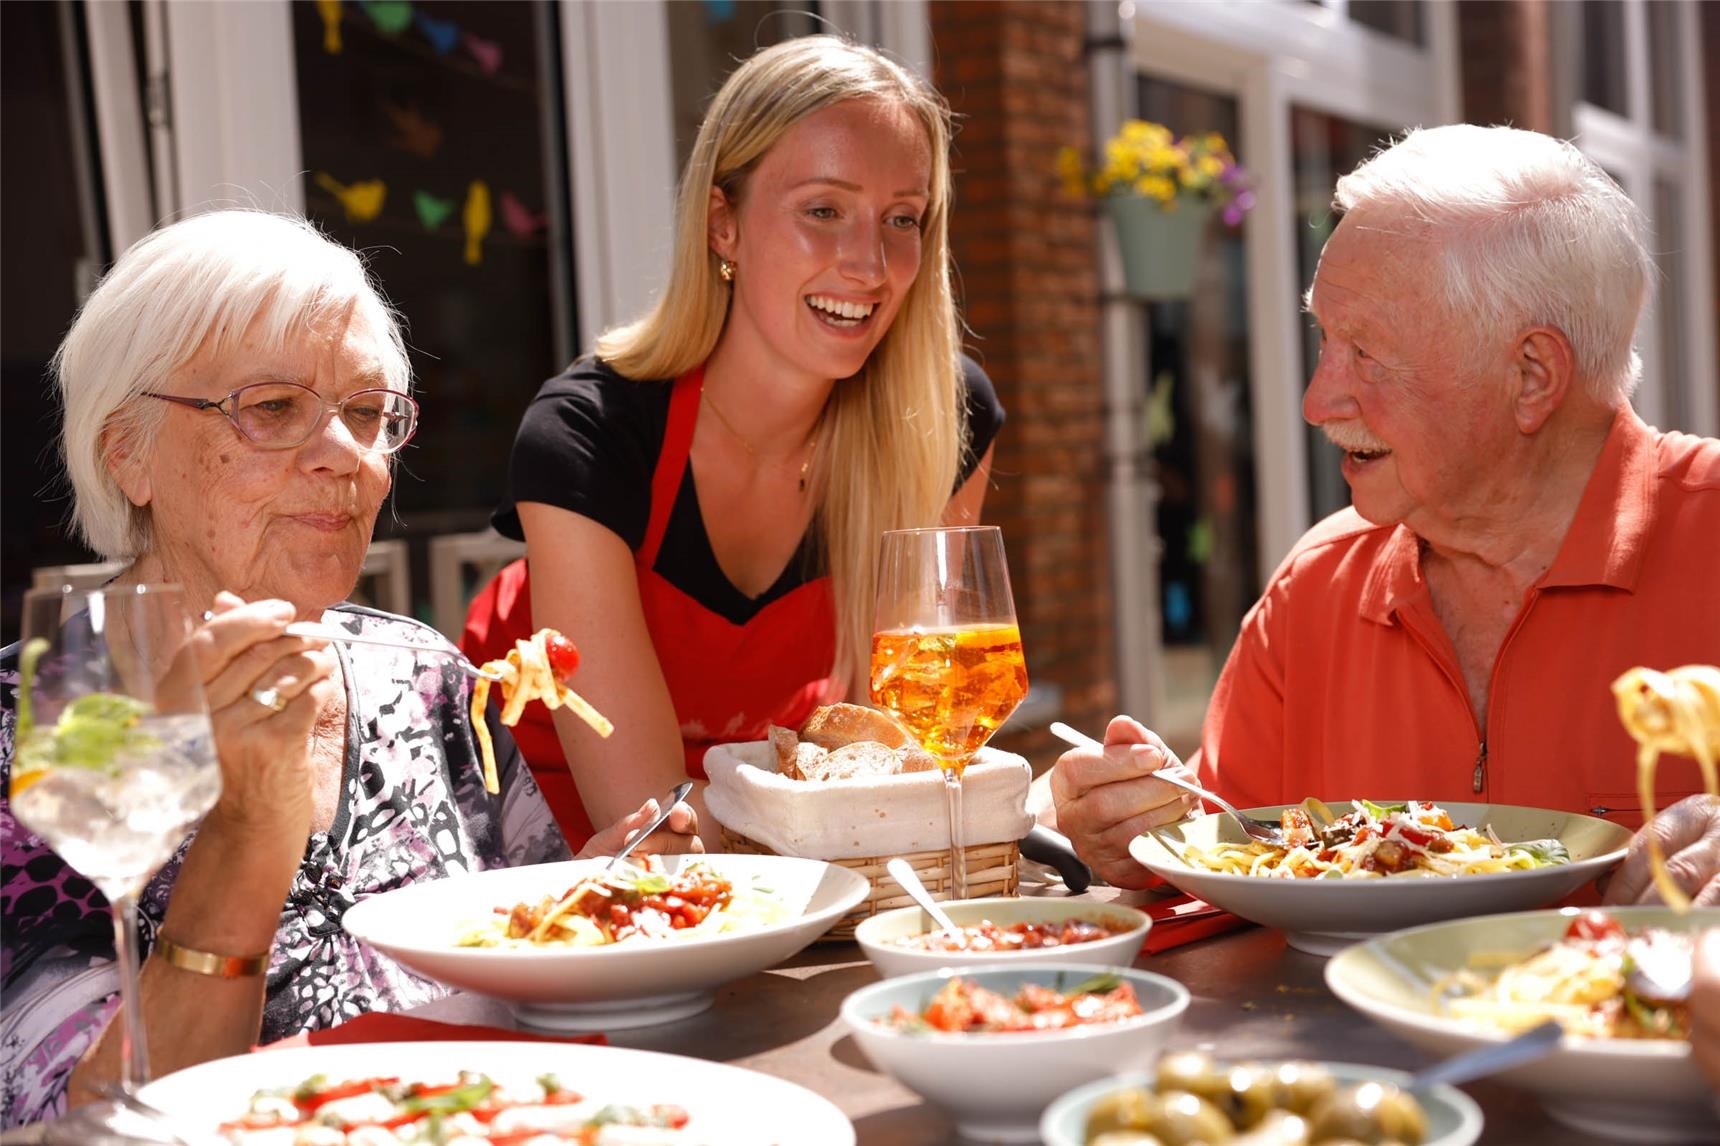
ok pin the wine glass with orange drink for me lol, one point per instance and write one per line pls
(946, 651)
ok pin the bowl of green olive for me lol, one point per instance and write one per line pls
(1192, 1098)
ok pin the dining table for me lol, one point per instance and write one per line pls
(1253, 997)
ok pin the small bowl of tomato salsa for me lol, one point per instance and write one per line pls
(1004, 931)
(994, 1044)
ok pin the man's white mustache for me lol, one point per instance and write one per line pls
(1353, 439)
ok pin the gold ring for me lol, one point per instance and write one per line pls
(269, 698)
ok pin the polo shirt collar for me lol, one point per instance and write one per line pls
(1604, 546)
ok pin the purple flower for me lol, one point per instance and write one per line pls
(1238, 207)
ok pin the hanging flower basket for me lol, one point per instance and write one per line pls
(1161, 249)
(1160, 191)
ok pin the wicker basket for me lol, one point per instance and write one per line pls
(992, 869)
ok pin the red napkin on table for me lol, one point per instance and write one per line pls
(379, 1027)
(1183, 919)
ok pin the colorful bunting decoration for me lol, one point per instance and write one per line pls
(329, 10)
(518, 218)
(432, 212)
(363, 200)
(476, 216)
(413, 132)
(442, 34)
(391, 17)
(488, 53)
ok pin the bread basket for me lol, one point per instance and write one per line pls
(862, 824)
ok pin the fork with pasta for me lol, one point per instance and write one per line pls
(536, 668)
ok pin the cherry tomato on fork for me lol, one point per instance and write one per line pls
(563, 656)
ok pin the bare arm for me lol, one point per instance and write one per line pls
(237, 872)
(584, 584)
(964, 508)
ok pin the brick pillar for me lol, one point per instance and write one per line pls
(1016, 75)
(1506, 50)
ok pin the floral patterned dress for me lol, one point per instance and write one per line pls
(412, 808)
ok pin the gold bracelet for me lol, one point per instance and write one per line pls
(209, 963)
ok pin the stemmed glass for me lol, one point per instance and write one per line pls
(114, 760)
(946, 651)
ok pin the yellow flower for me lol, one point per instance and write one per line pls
(1156, 187)
(1071, 170)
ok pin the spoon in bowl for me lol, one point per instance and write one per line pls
(1492, 1058)
(903, 873)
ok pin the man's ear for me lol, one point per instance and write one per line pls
(722, 225)
(125, 466)
(1543, 372)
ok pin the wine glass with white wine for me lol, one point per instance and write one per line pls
(946, 651)
(113, 762)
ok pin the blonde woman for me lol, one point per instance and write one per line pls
(702, 500)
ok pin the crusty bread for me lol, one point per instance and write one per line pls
(917, 759)
(785, 741)
(866, 758)
(838, 724)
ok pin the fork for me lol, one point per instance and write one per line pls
(1263, 831)
(318, 632)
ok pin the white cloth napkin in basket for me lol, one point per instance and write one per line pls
(866, 815)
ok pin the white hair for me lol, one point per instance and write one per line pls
(1530, 232)
(203, 282)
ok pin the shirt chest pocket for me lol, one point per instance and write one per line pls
(1625, 808)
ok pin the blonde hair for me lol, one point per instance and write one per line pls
(1530, 231)
(203, 280)
(893, 435)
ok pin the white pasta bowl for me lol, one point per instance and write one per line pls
(1453, 1119)
(725, 1105)
(880, 936)
(637, 982)
(1323, 916)
(1622, 1090)
(996, 1085)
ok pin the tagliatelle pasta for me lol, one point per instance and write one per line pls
(1677, 712)
(1374, 841)
(1591, 981)
(526, 675)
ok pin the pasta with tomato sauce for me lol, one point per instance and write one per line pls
(534, 669)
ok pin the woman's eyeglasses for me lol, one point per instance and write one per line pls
(281, 415)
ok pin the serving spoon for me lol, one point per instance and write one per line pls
(1263, 831)
(903, 873)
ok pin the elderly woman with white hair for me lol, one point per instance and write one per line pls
(234, 393)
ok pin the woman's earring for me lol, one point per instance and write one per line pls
(726, 270)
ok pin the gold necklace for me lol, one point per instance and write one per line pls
(811, 444)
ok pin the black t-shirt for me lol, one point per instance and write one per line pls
(589, 443)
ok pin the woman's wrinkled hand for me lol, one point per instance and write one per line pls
(1106, 799)
(1689, 837)
(679, 833)
(244, 653)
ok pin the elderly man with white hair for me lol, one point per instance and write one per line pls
(1517, 537)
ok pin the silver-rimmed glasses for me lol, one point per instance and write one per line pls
(282, 415)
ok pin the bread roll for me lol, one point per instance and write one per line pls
(785, 741)
(866, 758)
(917, 759)
(838, 724)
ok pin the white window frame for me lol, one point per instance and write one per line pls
(1268, 57)
(1628, 146)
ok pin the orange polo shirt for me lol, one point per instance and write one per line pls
(1343, 684)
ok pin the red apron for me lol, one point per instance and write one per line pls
(727, 681)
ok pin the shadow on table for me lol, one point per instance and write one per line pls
(771, 1012)
(921, 1125)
